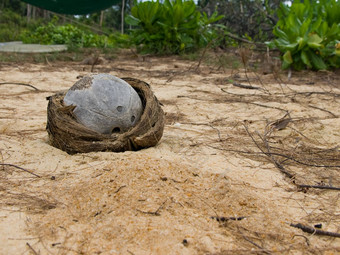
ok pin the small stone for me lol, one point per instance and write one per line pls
(185, 242)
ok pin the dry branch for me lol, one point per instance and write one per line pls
(223, 219)
(318, 187)
(270, 156)
(312, 230)
(20, 84)
(318, 93)
(31, 248)
(255, 244)
(121, 187)
(156, 213)
(300, 162)
(324, 110)
(245, 86)
(18, 167)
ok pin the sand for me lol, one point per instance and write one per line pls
(216, 159)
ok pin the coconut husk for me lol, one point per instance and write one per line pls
(69, 135)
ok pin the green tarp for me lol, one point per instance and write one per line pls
(73, 6)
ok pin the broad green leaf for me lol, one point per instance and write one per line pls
(334, 32)
(316, 24)
(131, 20)
(317, 61)
(305, 59)
(283, 11)
(293, 24)
(314, 41)
(302, 42)
(322, 29)
(290, 46)
(281, 34)
(305, 27)
(280, 44)
(287, 57)
(337, 49)
(285, 65)
(298, 9)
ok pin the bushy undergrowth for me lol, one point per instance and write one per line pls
(13, 24)
(14, 27)
(70, 35)
(170, 27)
(308, 34)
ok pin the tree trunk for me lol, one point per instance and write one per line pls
(101, 18)
(34, 11)
(29, 12)
(122, 20)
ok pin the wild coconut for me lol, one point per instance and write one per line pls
(105, 103)
(101, 112)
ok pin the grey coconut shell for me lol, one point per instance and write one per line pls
(105, 103)
(67, 134)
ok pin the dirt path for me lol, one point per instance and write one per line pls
(230, 147)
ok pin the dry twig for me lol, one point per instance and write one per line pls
(121, 187)
(318, 187)
(31, 248)
(156, 213)
(255, 244)
(245, 86)
(270, 156)
(18, 167)
(312, 230)
(223, 219)
(324, 110)
(20, 84)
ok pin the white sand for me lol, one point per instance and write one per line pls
(148, 202)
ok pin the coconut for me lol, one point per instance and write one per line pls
(104, 103)
(67, 132)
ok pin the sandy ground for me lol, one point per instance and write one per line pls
(238, 152)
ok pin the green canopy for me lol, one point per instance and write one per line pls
(73, 6)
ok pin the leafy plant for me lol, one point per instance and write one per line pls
(173, 26)
(13, 24)
(67, 34)
(307, 34)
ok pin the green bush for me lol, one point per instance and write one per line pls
(308, 34)
(173, 26)
(12, 25)
(67, 34)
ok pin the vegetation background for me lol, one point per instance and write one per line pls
(307, 33)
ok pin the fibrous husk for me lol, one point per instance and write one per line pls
(69, 135)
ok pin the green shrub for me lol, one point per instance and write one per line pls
(173, 26)
(67, 34)
(308, 34)
(12, 25)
